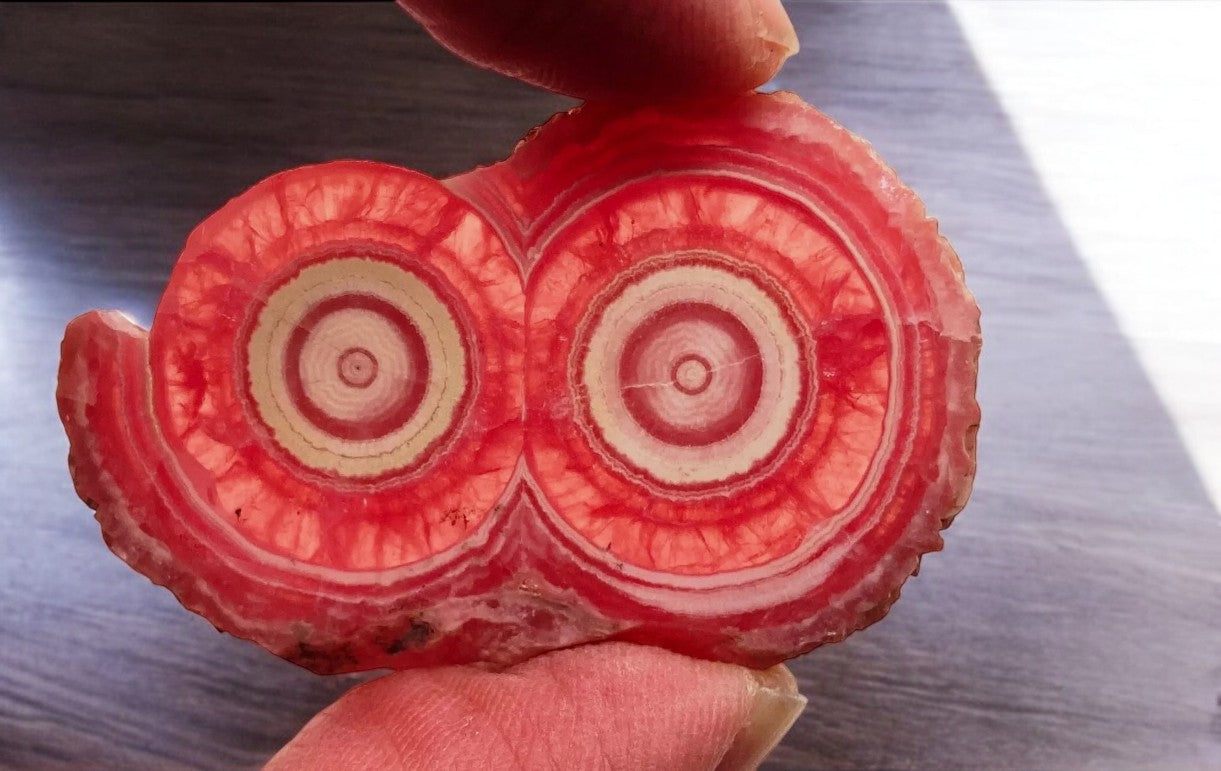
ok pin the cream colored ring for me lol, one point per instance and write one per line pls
(444, 343)
(610, 421)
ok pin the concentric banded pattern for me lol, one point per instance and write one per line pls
(358, 366)
(337, 369)
(716, 416)
(690, 371)
(749, 361)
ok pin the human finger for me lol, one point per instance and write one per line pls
(610, 706)
(618, 49)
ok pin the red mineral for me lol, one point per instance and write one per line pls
(700, 377)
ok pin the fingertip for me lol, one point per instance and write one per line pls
(618, 49)
(775, 705)
(632, 706)
(775, 28)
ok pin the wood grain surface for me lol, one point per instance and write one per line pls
(1072, 622)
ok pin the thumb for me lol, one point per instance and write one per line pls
(611, 706)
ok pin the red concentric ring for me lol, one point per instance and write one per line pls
(357, 368)
(667, 481)
(318, 354)
(665, 400)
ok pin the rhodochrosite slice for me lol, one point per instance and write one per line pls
(313, 443)
(750, 369)
(700, 376)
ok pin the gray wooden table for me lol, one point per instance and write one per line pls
(1074, 620)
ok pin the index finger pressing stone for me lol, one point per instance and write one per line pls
(635, 50)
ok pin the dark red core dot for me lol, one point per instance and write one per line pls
(357, 367)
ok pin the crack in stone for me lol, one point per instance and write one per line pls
(670, 383)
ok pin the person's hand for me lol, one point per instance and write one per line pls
(642, 50)
(610, 706)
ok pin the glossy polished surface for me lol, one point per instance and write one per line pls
(1073, 619)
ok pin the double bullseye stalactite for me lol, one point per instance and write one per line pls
(700, 376)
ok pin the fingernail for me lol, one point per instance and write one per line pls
(775, 26)
(775, 707)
